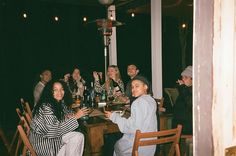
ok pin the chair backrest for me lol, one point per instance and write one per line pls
(173, 94)
(5, 140)
(25, 121)
(19, 113)
(160, 102)
(26, 115)
(157, 138)
(24, 130)
(26, 107)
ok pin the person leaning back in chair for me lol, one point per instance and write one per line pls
(182, 110)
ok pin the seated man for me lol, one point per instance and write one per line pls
(182, 110)
(132, 71)
(44, 77)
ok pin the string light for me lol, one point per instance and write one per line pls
(85, 19)
(132, 14)
(183, 25)
(24, 15)
(56, 18)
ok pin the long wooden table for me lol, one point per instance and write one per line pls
(95, 128)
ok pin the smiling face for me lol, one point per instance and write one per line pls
(187, 80)
(132, 71)
(58, 91)
(46, 76)
(112, 72)
(76, 74)
(138, 88)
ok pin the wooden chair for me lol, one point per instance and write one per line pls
(25, 114)
(24, 130)
(160, 104)
(160, 137)
(23, 118)
(186, 142)
(230, 151)
(15, 142)
(5, 141)
(26, 107)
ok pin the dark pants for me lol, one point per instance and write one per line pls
(109, 142)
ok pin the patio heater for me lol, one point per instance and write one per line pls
(105, 27)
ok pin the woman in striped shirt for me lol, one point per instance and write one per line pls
(53, 123)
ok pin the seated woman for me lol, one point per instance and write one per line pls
(75, 83)
(182, 110)
(53, 123)
(113, 86)
(143, 117)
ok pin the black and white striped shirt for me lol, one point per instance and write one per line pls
(46, 130)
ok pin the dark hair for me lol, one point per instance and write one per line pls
(48, 99)
(145, 81)
(38, 78)
(137, 68)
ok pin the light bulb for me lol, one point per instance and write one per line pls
(56, 18)
(105, 2)
(24, 15)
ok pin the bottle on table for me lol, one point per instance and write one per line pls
(103, 96)
(85, 102)
(86, 95)
(92, 96)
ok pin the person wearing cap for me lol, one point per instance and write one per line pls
(143, 117)
(182, 110)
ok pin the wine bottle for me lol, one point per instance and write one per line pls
(92, 96)
(86, 96)
(104, 96)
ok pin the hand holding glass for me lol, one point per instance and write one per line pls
(82, 112)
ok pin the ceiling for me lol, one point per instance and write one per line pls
(175, 8)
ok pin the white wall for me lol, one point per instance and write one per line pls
(224, 76)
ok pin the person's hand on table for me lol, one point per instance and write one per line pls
(107, 114)
(81, 112)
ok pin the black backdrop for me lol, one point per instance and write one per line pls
(37, 42)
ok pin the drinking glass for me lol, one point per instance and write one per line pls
(107, 108)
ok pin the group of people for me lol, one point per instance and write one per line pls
(54, 122)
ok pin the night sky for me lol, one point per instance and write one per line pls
(37, 42)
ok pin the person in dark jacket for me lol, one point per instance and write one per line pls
(182, 111)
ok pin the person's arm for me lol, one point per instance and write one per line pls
(54, 128)
(97, 86)
(136, 119)
(37, 93)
